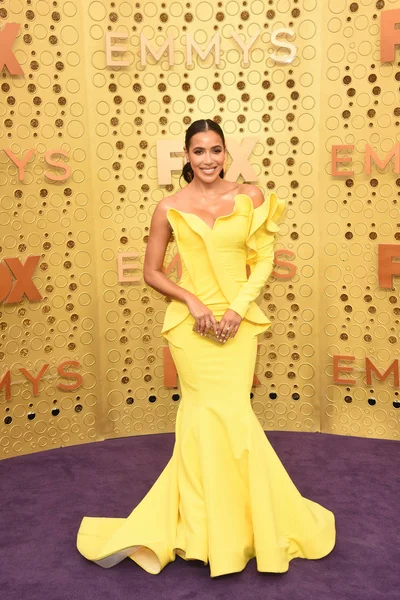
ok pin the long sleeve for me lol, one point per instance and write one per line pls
(260, 258)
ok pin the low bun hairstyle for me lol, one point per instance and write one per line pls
(198, 127)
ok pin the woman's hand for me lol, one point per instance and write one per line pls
(203, 315)
(229, 324)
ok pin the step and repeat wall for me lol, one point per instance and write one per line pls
(95, 98)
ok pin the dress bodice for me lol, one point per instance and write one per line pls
(214, 258)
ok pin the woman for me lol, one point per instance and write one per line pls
(224, 496)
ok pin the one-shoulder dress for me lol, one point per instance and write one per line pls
(224, 497)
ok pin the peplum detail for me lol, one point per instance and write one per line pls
(255, 227)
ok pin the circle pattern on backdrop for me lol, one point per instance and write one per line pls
(108, 123)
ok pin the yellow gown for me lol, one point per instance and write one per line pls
(224, 497)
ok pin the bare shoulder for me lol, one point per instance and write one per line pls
(176, 200)
(166, 203)
(253, 192)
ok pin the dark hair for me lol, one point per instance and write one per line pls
(197, 127)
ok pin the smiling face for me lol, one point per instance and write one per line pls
(206, 154)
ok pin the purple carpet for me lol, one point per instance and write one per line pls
(45, 495)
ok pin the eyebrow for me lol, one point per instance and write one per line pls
(201, 148)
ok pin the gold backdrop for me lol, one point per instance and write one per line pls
(88, 328)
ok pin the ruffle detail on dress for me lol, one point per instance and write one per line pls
(264, 215)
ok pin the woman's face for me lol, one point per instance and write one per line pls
(206, 154)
